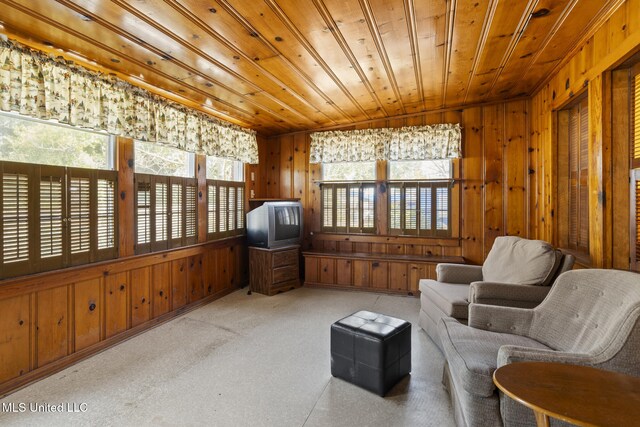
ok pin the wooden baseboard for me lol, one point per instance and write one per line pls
(415, 294)
(49, 369)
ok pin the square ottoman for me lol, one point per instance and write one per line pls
(371, 350)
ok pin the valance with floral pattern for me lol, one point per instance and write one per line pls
(45, 87)
(430, 142)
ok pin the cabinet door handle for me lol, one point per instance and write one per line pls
(375, 264)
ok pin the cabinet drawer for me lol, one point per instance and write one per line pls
(285, 273)
(283, 258)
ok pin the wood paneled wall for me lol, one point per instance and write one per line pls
(493, 189)
(51, 320)
(593, 69)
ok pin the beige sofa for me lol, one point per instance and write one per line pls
(517, 273)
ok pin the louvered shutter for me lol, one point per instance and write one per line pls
(176, 212)
(105, 228)
(231, 209)
(15, 243)
(212, 208)
(579, 177)
(52, 218)
(635, 250)
(583, 224)
(327, 208)
(426, 213)
(240, 207)
(442, 211)
(368, 205)
(222, 209)
(410, 206)
(340, 208)
(395, 208)
(79, 216)
(160, 213)
(636, 123)
(191, 212)
(354, 209)
(635, 173)
(143, 213)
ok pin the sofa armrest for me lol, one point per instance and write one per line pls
(507, 294)
(458, 273)
(509, 320)
(512, 354)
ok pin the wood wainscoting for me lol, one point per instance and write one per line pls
(52, 320)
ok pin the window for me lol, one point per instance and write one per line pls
(573, 172)
(34, 141)
(348, 208)
(225, 209)
(57, 196)
(349, 171)
(222, 169)
(420, 197)
(156, 159)
(166, 206)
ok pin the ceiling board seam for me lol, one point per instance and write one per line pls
(144, 65)
(515, 39)
(250, 28)
(128, 58)
(450, 20)
(200, 53)
(590, 29)
(484, 35)
(410, 17)
(382, 51)
(304, 42)
(337, 35)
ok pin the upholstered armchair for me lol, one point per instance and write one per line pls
(517, 273)
(590, 317)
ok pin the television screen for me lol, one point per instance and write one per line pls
(287, 222)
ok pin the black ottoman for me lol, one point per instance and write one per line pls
(371, 350)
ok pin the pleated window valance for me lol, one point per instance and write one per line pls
(431, 142)
(42, 86)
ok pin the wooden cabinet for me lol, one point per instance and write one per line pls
(275, 270)
(391, 273)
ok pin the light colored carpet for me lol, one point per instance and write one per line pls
(243, 360)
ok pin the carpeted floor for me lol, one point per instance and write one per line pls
(243, 360)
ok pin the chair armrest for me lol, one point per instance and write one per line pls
(512, 354)
(507, 294)
(458, 273)
(509, 320)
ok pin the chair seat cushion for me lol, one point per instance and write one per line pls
(451, 298)
(472, 354)
(521, 261)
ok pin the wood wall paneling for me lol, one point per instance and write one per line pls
(125, 197)
(140, 295)
(88, 303)
(161, 288)
(15, 343)
(178, 283)
(116, 291)
(52, 333)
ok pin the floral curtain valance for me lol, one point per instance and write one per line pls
(42, 86)
(431, 142)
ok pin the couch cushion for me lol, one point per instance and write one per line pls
(451, 298)
(521, 261)
(472, 354)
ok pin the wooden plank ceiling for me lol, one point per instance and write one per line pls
(284, 65)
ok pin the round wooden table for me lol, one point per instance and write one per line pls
(581, 395)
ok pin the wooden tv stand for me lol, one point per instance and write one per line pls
(276, 270)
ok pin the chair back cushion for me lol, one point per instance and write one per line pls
(588, 311)
(521, 261)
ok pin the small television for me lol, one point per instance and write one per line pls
(275, 224)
